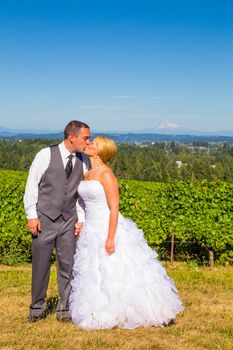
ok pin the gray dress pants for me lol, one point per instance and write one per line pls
(58, 234)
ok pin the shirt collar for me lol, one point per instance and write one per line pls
(64, 150)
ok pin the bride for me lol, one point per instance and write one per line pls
(117, 279)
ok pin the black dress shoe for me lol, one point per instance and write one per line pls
(64, 319)
(170, 323)
(32, 319)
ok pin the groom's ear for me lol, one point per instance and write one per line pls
(71, 138)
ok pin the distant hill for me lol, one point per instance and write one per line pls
(123, 137)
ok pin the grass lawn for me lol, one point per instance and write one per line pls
(206, 323)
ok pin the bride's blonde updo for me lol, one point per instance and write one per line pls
(106, 148)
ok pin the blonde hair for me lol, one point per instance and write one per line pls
(106, 148)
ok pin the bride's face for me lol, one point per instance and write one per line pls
(91, 149)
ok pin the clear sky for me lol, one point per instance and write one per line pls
(118, 65)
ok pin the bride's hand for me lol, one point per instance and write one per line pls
(110, 246)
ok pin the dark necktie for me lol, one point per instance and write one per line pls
(69, 166)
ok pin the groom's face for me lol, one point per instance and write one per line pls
(81, 140)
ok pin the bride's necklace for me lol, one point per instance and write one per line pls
(97, 168)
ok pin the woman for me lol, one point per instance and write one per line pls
(118, 282)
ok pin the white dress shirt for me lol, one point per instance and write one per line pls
(39, 165)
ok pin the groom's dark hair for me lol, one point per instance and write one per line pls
(73, 127)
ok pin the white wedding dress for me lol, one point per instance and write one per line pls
(127, 289)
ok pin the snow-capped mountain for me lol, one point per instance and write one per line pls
(170, 128)
(168, 125)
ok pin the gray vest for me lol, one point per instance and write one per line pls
(57, 195)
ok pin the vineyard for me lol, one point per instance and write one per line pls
(199, 214)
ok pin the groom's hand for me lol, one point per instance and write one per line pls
(78, 227)
(34, 226)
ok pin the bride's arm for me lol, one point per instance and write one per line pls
(110, 185)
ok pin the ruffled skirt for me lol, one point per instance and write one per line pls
(128, 289)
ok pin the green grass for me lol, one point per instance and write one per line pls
(206, 323)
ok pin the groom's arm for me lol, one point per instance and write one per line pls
(80, 209)
(37, 169)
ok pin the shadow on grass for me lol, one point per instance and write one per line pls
(51, 305)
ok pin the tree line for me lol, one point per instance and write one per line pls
(159, 162)
(199, 214)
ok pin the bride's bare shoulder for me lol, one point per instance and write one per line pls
(108, 177)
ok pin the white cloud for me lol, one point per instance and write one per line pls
(166, 98)
(122, 96)
(105, 107)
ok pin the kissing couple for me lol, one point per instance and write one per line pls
(108, 276)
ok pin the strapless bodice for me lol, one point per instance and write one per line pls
(93, 195)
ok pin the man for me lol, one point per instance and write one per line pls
(54, 215)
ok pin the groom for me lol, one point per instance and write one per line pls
(54, 215)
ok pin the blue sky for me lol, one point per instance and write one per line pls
(118, 65)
